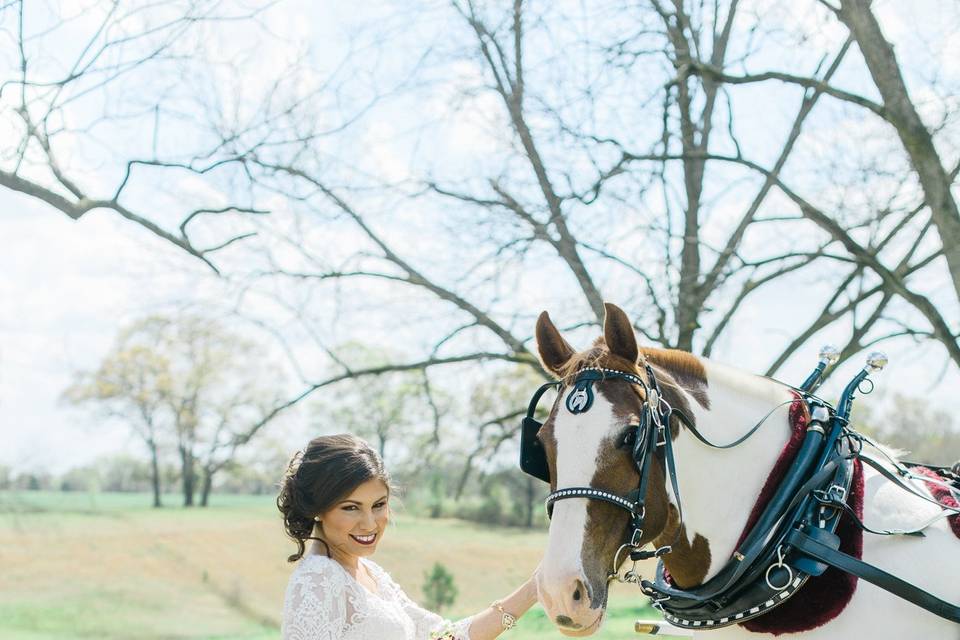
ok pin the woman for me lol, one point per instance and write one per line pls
(337, 494)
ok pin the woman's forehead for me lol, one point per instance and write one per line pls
(370, 491)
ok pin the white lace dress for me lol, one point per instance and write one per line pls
(324, 602)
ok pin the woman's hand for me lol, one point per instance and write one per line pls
(489, 623)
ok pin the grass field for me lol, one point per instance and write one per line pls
(108, 566)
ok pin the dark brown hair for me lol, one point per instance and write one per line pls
(320, 476)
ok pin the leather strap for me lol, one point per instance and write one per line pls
(898, 587)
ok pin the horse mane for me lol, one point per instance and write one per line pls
(680, 364)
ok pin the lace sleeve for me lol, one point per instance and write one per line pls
(429, 625)
(315, 607)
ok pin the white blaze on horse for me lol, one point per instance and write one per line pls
(590, 442)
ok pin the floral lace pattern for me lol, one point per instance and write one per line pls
(324, 602)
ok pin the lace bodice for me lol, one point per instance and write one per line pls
(324, 602)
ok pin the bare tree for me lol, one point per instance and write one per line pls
(900, 111)
(522, 155)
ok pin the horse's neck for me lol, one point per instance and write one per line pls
(719, 488)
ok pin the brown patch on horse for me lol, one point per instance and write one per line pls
(689, 562)
(608, 527)
(685, 368)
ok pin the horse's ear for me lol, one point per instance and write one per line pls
(554, 350)
(618, 333)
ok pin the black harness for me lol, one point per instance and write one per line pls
(793, 539)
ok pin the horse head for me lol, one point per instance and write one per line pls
(592, 448)
(591, 444)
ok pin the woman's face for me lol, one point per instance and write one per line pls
(355, 525)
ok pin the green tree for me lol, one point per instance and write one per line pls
(439, 591)
(131, 385)
(189, 381)
(923, 432)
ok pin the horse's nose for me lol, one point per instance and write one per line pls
(567, 599)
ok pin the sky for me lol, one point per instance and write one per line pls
(67, 287)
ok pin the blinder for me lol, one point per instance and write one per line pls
(533, 457)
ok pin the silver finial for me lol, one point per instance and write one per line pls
(876, 361)
(829, 354)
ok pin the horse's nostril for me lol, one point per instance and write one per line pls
(579, 591)
(564, 621)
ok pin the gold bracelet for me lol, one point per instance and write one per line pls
(508, 620)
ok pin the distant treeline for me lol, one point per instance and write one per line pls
(128, 474)
(505, 497)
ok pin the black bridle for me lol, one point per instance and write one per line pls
(649, 436)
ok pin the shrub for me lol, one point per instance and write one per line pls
(439, 590)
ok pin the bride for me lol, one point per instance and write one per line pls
(336, 493)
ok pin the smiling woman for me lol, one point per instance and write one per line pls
(337, 494)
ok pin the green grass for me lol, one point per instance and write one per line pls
(76, 565)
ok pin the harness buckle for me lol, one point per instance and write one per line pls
(837, 493)
(635, 538)
(833, 496)
(661, 435)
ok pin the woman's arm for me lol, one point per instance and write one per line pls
(485, 625)
(488, 624)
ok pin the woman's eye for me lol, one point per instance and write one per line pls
(350, 508)
(380, 505)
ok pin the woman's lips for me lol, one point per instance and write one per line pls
(365, 540)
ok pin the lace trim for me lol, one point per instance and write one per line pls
(324, 602)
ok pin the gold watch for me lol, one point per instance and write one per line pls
(508, 620)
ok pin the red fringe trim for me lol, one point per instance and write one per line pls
(942, 495)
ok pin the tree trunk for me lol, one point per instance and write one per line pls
(531, 492)
(155, 474)
(382, 443)
(188, 475)
(207, 485)
(901, 113)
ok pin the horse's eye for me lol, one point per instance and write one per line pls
(627, 437)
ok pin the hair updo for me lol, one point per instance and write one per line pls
(323, 474)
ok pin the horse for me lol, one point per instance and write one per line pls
(718, 491)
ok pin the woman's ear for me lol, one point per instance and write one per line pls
(618, 333)
(554, 350)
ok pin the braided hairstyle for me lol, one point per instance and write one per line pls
(320, 476)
